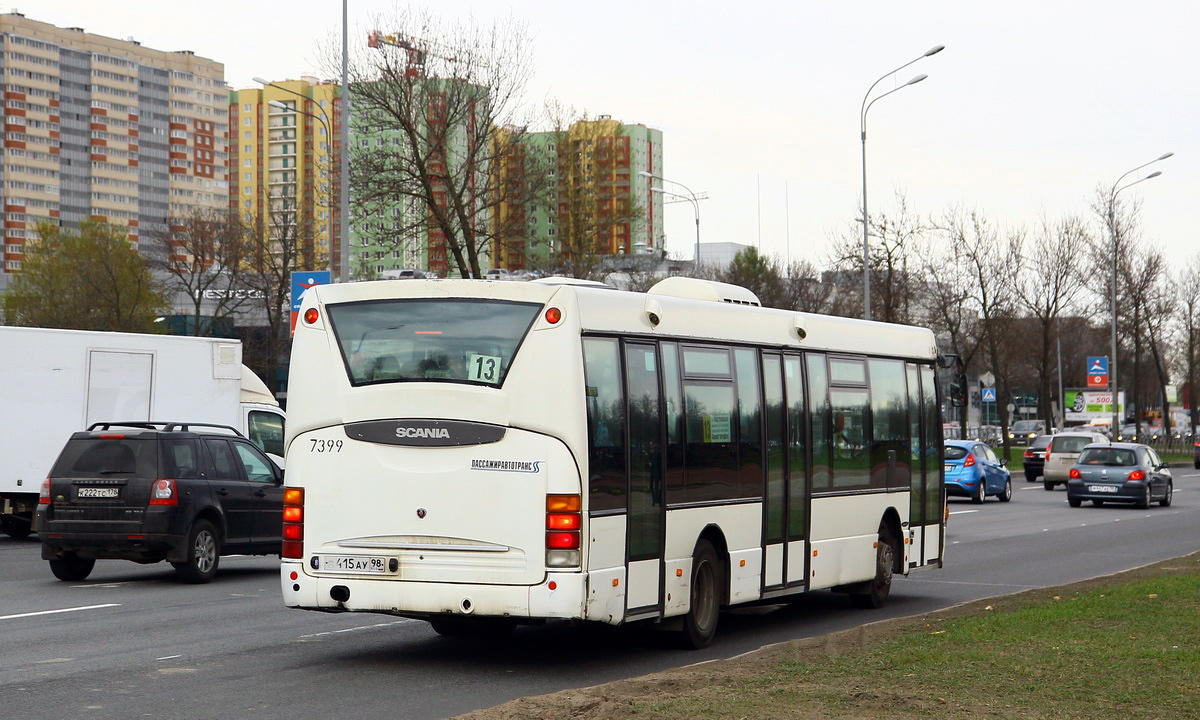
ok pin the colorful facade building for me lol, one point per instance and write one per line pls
(102, 129)
(284, 152)
(595, 201)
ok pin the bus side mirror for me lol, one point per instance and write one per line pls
(958, 391)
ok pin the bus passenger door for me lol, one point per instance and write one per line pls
(645, 519)
(785, 500)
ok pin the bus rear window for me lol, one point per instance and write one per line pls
(438, 340)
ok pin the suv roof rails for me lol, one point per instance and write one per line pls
(164, 426)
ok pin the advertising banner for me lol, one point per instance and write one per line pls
(1085, 405)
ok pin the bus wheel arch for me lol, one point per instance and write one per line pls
(874, 593)
(891, 522)
(708, 592)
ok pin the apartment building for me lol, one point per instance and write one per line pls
(97, 128)
(284, 155)
(596, 200)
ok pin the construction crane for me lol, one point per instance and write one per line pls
(415, 50)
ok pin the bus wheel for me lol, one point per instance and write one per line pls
(879, 588)
(472, 627)
(700, 623)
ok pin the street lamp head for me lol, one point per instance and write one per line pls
(1154, 174)
(278, 104)
(1164, 156)
(261, 81)
(934, 50)
(644, 173)
(917, 79)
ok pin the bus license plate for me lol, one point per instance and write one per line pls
(353, 564)
(1102, 488)
(98, 492)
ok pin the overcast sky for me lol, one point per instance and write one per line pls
(1033, 104)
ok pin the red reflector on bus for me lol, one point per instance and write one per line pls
(293, 532)
(311, 315)
(293, 514)
(562, 521)
(293, 549)
(562, 540)
(553, 315)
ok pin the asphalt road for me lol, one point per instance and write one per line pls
(133, 642)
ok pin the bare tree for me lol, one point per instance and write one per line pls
(282, 244)
(1048, 286)
(991, 261)
(206, 252)
(1189, 318)
(426, 100)
(946, 308)
(895, 239)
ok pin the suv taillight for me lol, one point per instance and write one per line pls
(564, 523)
(44, 493)
(163, 492)
(293, 523)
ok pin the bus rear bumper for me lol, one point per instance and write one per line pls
(558, 596)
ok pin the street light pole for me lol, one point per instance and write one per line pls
(1112, 228)
(690, 197)
(863, 134)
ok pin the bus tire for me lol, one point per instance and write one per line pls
(878, 588)
(72, 568)
(472, 627)
(700, 623)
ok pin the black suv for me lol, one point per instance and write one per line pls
(182, 492)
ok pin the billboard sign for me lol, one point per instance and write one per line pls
(1085, 405)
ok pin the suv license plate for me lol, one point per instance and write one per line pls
(353, 564)
(98, 492)
(1102, 488)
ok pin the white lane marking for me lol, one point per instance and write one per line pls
(169, 657)
(963, 512)
(64, 610)
(356, 629)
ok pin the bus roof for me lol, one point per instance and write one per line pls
(671, 310)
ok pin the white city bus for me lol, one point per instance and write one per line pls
(479, 454)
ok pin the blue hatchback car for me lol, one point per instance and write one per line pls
(974, 471)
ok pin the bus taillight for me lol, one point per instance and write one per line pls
(293, 523)
(564, 521)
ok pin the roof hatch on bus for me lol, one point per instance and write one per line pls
(711, 290)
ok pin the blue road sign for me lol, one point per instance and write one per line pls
(989, 394)
(302, 281)
(1097, 365)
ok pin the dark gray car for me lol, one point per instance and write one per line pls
(1120, 472)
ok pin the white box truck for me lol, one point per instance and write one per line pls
(61, 381)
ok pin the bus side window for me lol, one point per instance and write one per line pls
(819, 420)
(605, 399)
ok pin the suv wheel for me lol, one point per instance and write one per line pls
(1048, 484)
(204, 553)
(72, 568)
